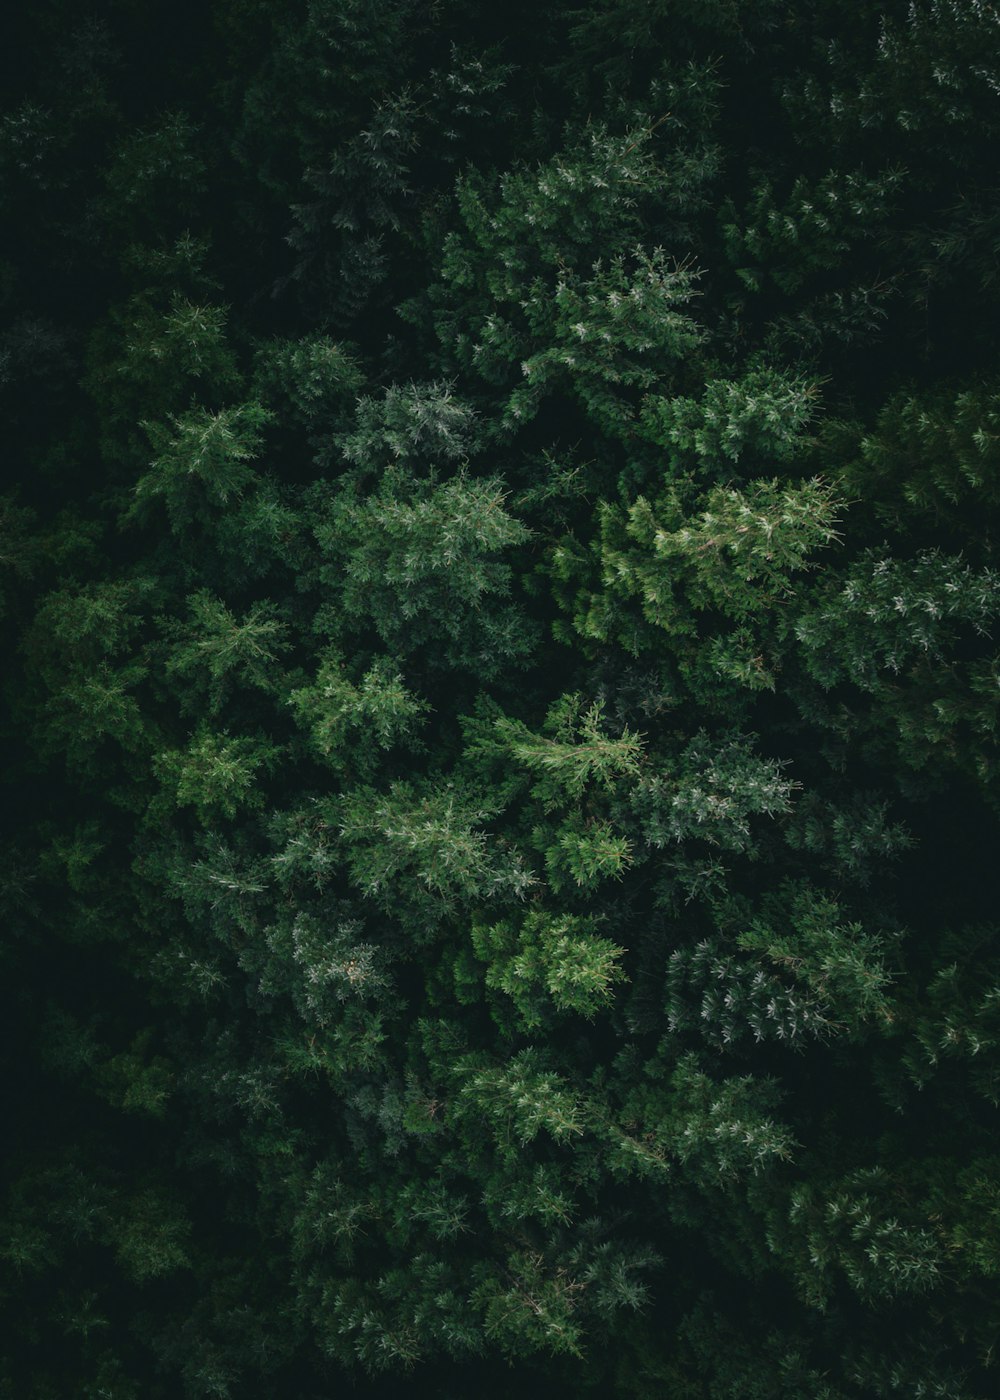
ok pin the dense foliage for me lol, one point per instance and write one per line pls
(500, 706)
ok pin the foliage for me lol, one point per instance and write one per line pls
(500, 714)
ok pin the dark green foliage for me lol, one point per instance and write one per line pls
(499, 720)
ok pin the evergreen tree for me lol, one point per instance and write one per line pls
(500, 782)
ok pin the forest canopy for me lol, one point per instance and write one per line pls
(500, 699)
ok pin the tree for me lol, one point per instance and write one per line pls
(422, 563)
(201, 465)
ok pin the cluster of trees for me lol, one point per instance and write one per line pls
(500, 699)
